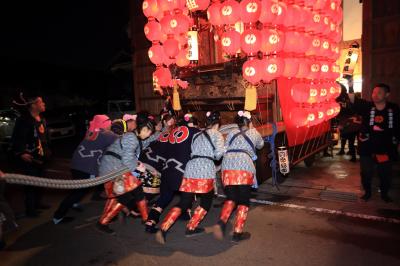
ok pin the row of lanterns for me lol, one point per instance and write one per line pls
(313, 115)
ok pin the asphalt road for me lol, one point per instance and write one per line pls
(280, 236)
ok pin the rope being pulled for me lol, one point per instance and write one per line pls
(61, 184)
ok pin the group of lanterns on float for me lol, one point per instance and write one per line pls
(295, 39)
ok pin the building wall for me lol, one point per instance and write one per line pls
(381, 46)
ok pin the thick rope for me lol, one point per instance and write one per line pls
(61, 184)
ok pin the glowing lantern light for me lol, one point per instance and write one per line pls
(195, 5)
(292, 42)
(325, 48)
(168, 24)
(168, 61)
(292, 16)
(326, 25)
(214, 14)
(323, 92)
(325, 70)
(315, 70)
(272, 41)
(230, 12)
(300, 92)
(171, 47)
(315, 117)
(316, 22)
(250, 10)
(251, 41)
(152, 30)
(298, 117)
(230, 41)
(304, 42)
(315, 46)
(179, 24)
(156, 54)
(182, 39)
(273, 68)
(150, 8)
(170, 5)
(304, 69)
(252, 71)
(272, 12)
(182, 59)
(291, 67)
(162, 77)
(309, 3)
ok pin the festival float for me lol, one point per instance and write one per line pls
(277, 59)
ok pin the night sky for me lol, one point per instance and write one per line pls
(84, 34)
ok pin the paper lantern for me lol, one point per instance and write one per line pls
(326, 22)
(315, 116)
(272, 41)
(291, 67)
(214, 14)
(320, 4)
(152, 31)
(170, 5)
(304, 42)
(168, 24)
(195, 5)
(272, 12)
(168, 61)
(315, 46)
(298, 117)
(162, 77)
(182, 59)
(230, 41)
(179, 24)
(315, 70)
(309, 3)
(150, 8)
(156, 54)
(304, 69)
(325, 48)
(316, 22)
(171, 47)
(272, 68)
(325, 70)
(182, 40)
(230, 12)
(323, 92)
(292, 39)
(293, 15)
(300, 92)
(251, 41)
(252, 71)
(250, 10)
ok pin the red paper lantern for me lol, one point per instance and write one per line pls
(298, 117)
(170, 5)
(292, 39)
(300, 92)
(182, 24)
(309, 3)
(150, 8)
(335, 71)
(168, 24)
(214, 14)
(250, 10)
(162, 76)
(293, 15)
(272, 41)
(182, 59)
(323, 93)
(182, 39)
(304, 69)
(315, 46)
(152, 30)
(168, 61)
(156, 54)
(316, 116)
(252, 71)
(315, 70)
(272, 68)
(316, 22)
(195, 5)
(230, 41)
(171, 47)
(251, 41)
(326, 25)
(304, 42)
(325, 48)
(291, 67)
(272, 12)
(325, 70)
(230, 12)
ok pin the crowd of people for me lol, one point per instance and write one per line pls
(156, 159)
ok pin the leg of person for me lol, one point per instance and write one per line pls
(185, 203)
(73, 197)
(141, 202)
(232, 195)
(343, 140)
(112, 208)
(241, 214)
(352, 149)
(200, 212)
(166, 196)
(385, 176)
(367, 165)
